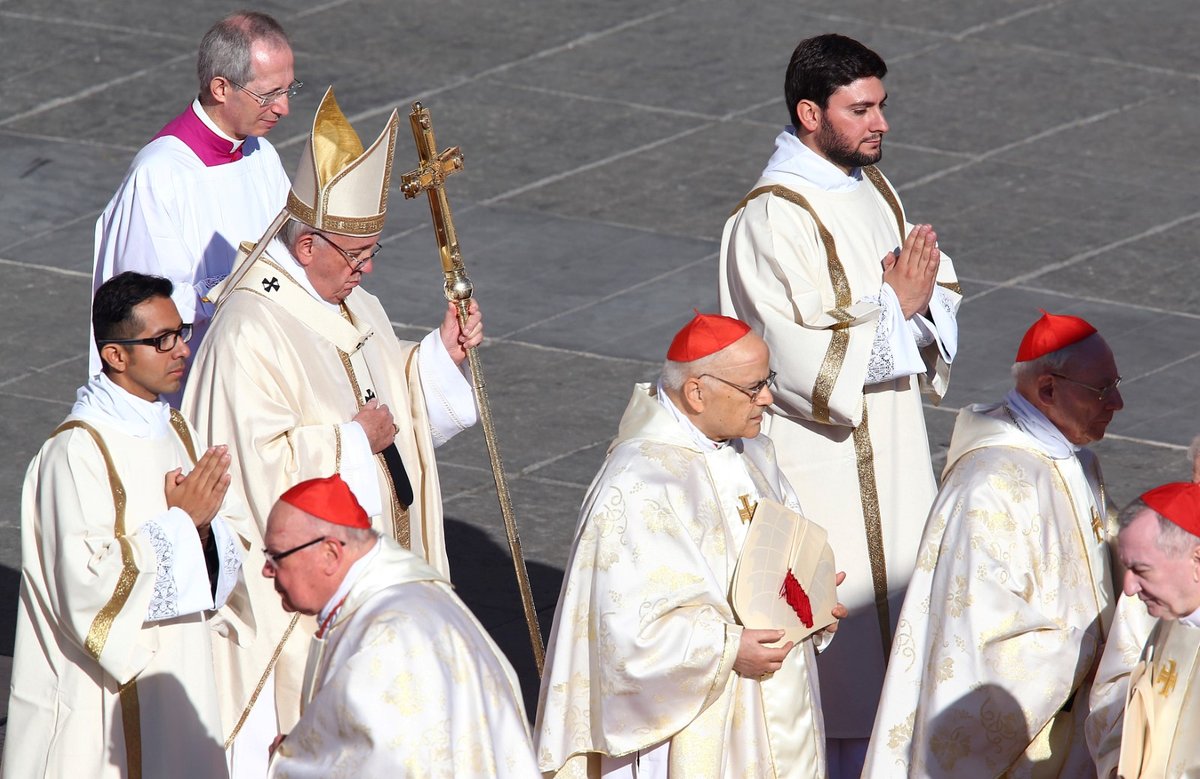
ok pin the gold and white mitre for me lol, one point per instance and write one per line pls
(785, 575)
(339, 187)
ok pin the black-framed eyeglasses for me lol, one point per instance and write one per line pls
(273, 558)
(163, 343)
(356, 263)
(1102, 393)
(265, 100)
(751, 392)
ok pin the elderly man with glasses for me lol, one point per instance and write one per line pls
(1013, 599)
(303, 375)
(209, 179)
(402, 680)
(127, 545)
(649, 671)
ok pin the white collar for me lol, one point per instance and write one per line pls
(352, 576)
(203, 116)
(702, 441)
(298, 272)
(101, 400)
(794, 162)
(1035, 424)
(1192, 620)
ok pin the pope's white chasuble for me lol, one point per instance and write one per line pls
(802, 266)
(644, 639)
(1006, 615)
(113, 671)
(1162, 718)
(276, 379)
(406, 682)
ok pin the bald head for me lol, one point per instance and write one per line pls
(715, 392)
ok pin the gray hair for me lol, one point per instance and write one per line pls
(353, 537)
(674, 374)
(1054, 362)
(292, 231)
(1172, 539)
(225, 48)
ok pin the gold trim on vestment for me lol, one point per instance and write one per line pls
(953, 286)
(889, 197)
(873, 522)
(131, 725)
(831, 367)
(185, 435)
(351, 225)
(398, 512)
(262, 682)
(97, 635)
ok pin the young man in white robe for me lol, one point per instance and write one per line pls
(127, 546)
(859, 308)
(209, 179)
(648, 672)
(303, 375)
(1159, 547)
(401, 680)
(1012, 601)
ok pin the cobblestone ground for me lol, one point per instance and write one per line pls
(1050, 144)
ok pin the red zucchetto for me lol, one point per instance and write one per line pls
(1179, 502)
(329, 499)
(1051, 333)
(706, 334)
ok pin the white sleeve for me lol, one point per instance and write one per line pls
(449, 397)
(944, 327)
(181, 584)
(229, 559)
(894, 352)
(359, 469)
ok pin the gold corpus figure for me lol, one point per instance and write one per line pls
(430, 178)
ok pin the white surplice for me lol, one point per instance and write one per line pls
(641, 654)
(847, 420)
(278, 379)
(112, 672)
(177, 217)
(406, 682)
(1007, 613)
(1162, 718)
(1131, 627)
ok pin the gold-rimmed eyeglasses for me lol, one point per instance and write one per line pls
(1102, 393)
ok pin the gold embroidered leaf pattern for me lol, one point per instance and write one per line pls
(1012, 481)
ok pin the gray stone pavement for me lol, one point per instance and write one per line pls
(1050, 144)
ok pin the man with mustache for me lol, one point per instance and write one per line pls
(1012, 601)
(123, 558)
(858, 306)
(209, 179)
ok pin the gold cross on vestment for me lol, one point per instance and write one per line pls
(746, 511)
(1097, 525)
(1166, 677)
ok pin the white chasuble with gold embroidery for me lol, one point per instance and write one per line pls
(644, 639)
(406, 682)
(113, 671)
(277, 379)
(1162, 718)
(848, 428)
(1005, 618)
